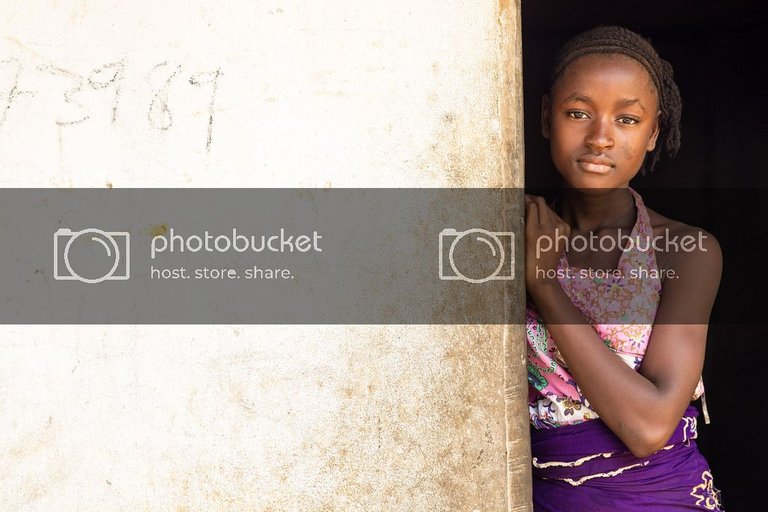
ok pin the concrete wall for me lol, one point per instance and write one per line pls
(196, 93)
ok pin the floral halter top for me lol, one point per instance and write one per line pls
(620, 307)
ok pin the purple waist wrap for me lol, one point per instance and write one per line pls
(586, 467)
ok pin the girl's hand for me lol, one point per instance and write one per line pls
(546, 235)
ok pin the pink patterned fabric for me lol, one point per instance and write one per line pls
(621, 308)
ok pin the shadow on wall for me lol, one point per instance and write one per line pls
(717, 181)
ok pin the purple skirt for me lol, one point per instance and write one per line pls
(585, 467)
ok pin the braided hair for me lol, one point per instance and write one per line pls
(619, 40)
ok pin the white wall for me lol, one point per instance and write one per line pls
(308, 94)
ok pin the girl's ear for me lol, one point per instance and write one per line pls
(545, 116)
(654, 134)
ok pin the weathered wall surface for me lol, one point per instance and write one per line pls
(261, 94)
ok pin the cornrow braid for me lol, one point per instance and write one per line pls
(612, 40)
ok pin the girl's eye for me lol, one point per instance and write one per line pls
(628, 120)
(577, 114)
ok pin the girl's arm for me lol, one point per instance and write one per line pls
(641, 407)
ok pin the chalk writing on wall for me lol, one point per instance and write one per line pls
(23, 80)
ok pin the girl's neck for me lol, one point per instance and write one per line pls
(595, 209)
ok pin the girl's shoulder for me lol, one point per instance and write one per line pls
(684, 247)
(690, 262)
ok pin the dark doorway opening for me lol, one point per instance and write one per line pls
(718, 181)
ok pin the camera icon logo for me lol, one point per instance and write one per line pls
(476, 255)
(91, 255)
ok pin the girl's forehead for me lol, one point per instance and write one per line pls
(597, 70)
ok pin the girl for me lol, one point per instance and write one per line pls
(618, 305)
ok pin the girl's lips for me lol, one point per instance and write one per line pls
(594, 167)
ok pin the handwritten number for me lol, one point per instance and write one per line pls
(111, 74)
(13, 90)
(106, 75)
(159, 114)
(69, 93)
(200, 79)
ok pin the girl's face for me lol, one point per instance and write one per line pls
(601, 119)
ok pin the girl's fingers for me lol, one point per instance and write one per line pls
(533, 205)
(528, 200)
(531, 213)
(544, 211)
(539, 217)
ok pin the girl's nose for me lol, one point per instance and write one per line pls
(600, 135)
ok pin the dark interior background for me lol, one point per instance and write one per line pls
(718, 181)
